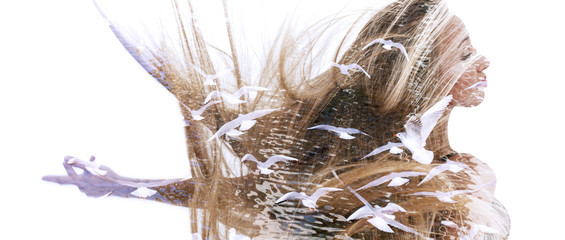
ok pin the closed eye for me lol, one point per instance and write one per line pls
(464, 58)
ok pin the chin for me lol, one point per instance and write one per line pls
(470, 100)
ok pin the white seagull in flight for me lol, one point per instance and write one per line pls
(246, 121)
(388, 44)
(419, 128)
(344, 69)
(264, 166)
(396, 179)
(475, 229)
(381, 217)
(235, 97)
(209, 77)
(307, 201)
(444, 196)
(197, 115)
(451, 166)
(393, 147)
(344, 133)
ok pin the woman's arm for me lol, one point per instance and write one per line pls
(98, 181)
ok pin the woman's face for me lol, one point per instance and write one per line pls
(464, 63)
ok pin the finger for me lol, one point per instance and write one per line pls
(70, 171)
(58, 179)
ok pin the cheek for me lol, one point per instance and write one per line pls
(466, 97)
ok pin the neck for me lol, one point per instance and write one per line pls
(440, 136)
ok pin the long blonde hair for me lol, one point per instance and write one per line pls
(235, 195)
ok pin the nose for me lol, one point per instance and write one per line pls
(482, 64)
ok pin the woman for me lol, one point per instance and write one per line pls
(385, 88)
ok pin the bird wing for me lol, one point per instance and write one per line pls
(459, 192)
(424, 194)
(403, 227)
(185, 106)
(203, 108)
(380, 223)
(459, 165)
(355, 65)
(325, 127)
(242, 117)
(391, 176)
(435, 171)
(143, 192)
(450, 224)
(353, 131)
(249, 157)
(383, 148)
(245, 89)
(277, 158)
(397, 181)
(392, 208)
(432, 115)
(257, 114)
(413, 129)
(401, 47)
(360, 213)
(247, 124)
(212, 95)
(321, 191)
(378, 40)
(485, 229)
(290, 196)
(227, 126)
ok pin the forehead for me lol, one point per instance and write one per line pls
(454, 34)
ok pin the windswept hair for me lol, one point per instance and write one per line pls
(306, 91)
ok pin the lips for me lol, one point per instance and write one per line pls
(480, 85)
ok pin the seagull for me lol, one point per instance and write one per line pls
(444, 196)
(197, 115)
(209, 77)
(307, 201)
(475, 229)
(392, 177)
(378, 214)
(232, 235)
(143, 192)
(344, 69)
(242, 119)
(235, 98)
(90, 166)
(449, 165)
(393, 147)
(388, 44)
(419, 128)
(344, 133)
(264, 166)
(381, 217)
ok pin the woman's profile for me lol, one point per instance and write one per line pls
(358, 151)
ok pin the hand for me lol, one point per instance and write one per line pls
(93, 185)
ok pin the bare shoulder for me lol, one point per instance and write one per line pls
(480, 174)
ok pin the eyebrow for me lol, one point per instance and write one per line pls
(466, 39)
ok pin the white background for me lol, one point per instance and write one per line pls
(67, 87)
